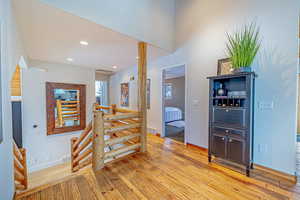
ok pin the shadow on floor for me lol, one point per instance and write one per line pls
(175, 133)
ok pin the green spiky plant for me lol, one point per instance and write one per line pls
(243, 46)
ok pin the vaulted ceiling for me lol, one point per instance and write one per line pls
(52, 35)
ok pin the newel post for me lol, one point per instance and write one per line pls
(142, 81)
(113, 109)
(98, 141)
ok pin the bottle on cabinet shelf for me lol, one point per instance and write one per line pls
(221, 91)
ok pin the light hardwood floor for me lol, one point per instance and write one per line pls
(169, 170)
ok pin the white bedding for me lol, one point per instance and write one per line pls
(172, 114)
(177, 124)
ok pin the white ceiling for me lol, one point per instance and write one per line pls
(52, 35)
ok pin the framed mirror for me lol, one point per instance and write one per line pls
(66, 107)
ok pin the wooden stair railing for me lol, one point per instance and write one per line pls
(20, 168)
(109, 137)
(122, 127)
(105, 109)
(81, 149)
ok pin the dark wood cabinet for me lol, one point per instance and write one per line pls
(219, 145)
(236, 150)
(231, 118)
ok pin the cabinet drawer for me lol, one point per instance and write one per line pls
(219, 130)
(229, 117)
(237, 133)
(228, 131)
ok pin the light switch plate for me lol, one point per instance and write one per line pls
(266, 105)
(196, 102)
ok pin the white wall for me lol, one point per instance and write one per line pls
(44, 151)
(11, 51)
(201, 39)
(146, 20)
(178, 93)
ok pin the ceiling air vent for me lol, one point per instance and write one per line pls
(103, 71)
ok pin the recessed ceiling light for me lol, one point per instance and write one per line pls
(70, 59)
(84, 43)
(114, 67)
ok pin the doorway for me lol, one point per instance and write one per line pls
(101, 89)
(174, 103)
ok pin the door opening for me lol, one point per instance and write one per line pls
(102, 92)
(174, 108)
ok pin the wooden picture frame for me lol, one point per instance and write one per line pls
(224, 66)
(51, 104)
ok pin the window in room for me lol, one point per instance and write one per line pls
(168, 91)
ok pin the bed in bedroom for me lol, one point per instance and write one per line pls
(173, 114)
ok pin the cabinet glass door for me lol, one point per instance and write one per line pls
(229, 117)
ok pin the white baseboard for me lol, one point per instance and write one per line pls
(152, 130)
(45, 165)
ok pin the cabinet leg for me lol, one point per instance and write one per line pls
(248, 171)
(209, 158)
(251, 166)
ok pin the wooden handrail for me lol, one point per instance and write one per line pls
(121, 139)
(123, 110)
(85, 143)
(122, 150)
(85, 163)
(124, 127)
(79, 148)
(83, 155)
(121, 116)
(103, 107)
(20, 168)
(111, 130)
(87, 130)
(17, 152)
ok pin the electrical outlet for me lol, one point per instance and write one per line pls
(65, 159)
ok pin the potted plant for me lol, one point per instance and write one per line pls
(242, 48)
